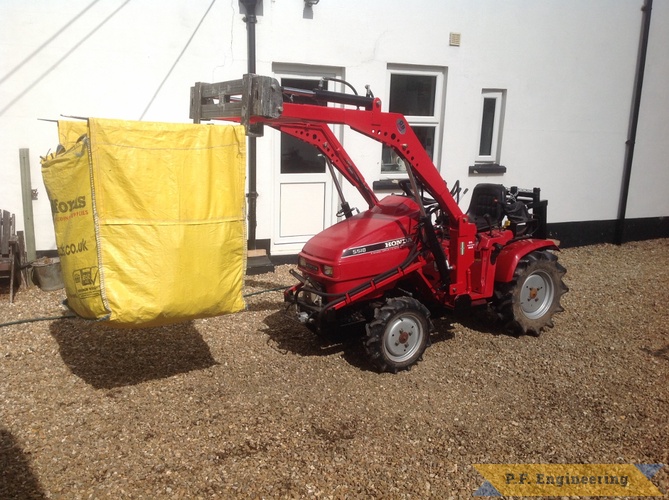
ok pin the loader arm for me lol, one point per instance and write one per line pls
(321, 136)
(257, 100)
(390, 129)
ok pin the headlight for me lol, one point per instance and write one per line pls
(305, 264)
(314, 299)
(328, 271)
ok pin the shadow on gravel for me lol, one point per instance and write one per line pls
(286, 335)
(106, 357)
(480, 320)
(662, 353)
(16, 477)
(264, 305)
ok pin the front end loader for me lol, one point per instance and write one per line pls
(406, 255)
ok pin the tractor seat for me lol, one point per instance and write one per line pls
(486, 208)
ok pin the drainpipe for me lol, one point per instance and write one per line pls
(634, 121)
(250, 20)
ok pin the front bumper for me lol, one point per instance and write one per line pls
(307, 303)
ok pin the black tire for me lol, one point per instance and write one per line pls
(398, 335)
(526, 305)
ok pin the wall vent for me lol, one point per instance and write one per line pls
(454, 39)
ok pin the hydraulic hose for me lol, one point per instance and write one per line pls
(33, 320)
(68, 316)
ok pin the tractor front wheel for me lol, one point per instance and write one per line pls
(398, 335)
(528, 303)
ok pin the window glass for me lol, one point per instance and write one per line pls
(392, 163)
(412, 95)
(426, 137)
(298, 157)
(487, 126)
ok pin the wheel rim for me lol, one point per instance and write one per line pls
(403, 337)
(536, 295)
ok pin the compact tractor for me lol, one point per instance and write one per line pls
(407, 255)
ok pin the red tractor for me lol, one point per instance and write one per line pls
(406, 255)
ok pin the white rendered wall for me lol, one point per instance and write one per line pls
(649, 185)
(108, 62)
(567, 66)
(568, 69)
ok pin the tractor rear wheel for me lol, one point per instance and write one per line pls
(398, 335)
(528, 302)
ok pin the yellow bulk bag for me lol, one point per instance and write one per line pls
(149, 219)
(69, 132)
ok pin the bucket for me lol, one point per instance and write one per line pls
(48, 273)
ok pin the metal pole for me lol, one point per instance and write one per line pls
(250, 20)
(27, 196)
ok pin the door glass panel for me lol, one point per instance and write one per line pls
(298, 157)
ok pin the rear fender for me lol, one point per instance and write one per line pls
(510, 255)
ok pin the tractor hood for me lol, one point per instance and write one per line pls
(384, 227)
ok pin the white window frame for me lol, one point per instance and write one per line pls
(435, 120)
(495, 145)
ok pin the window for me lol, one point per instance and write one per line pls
(417, 93)
(492, 102)
(412, 95)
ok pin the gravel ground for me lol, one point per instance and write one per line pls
(251, 405)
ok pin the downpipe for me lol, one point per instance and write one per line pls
(250, 19)
(619, 237)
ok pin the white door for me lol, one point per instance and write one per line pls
(304, 203)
